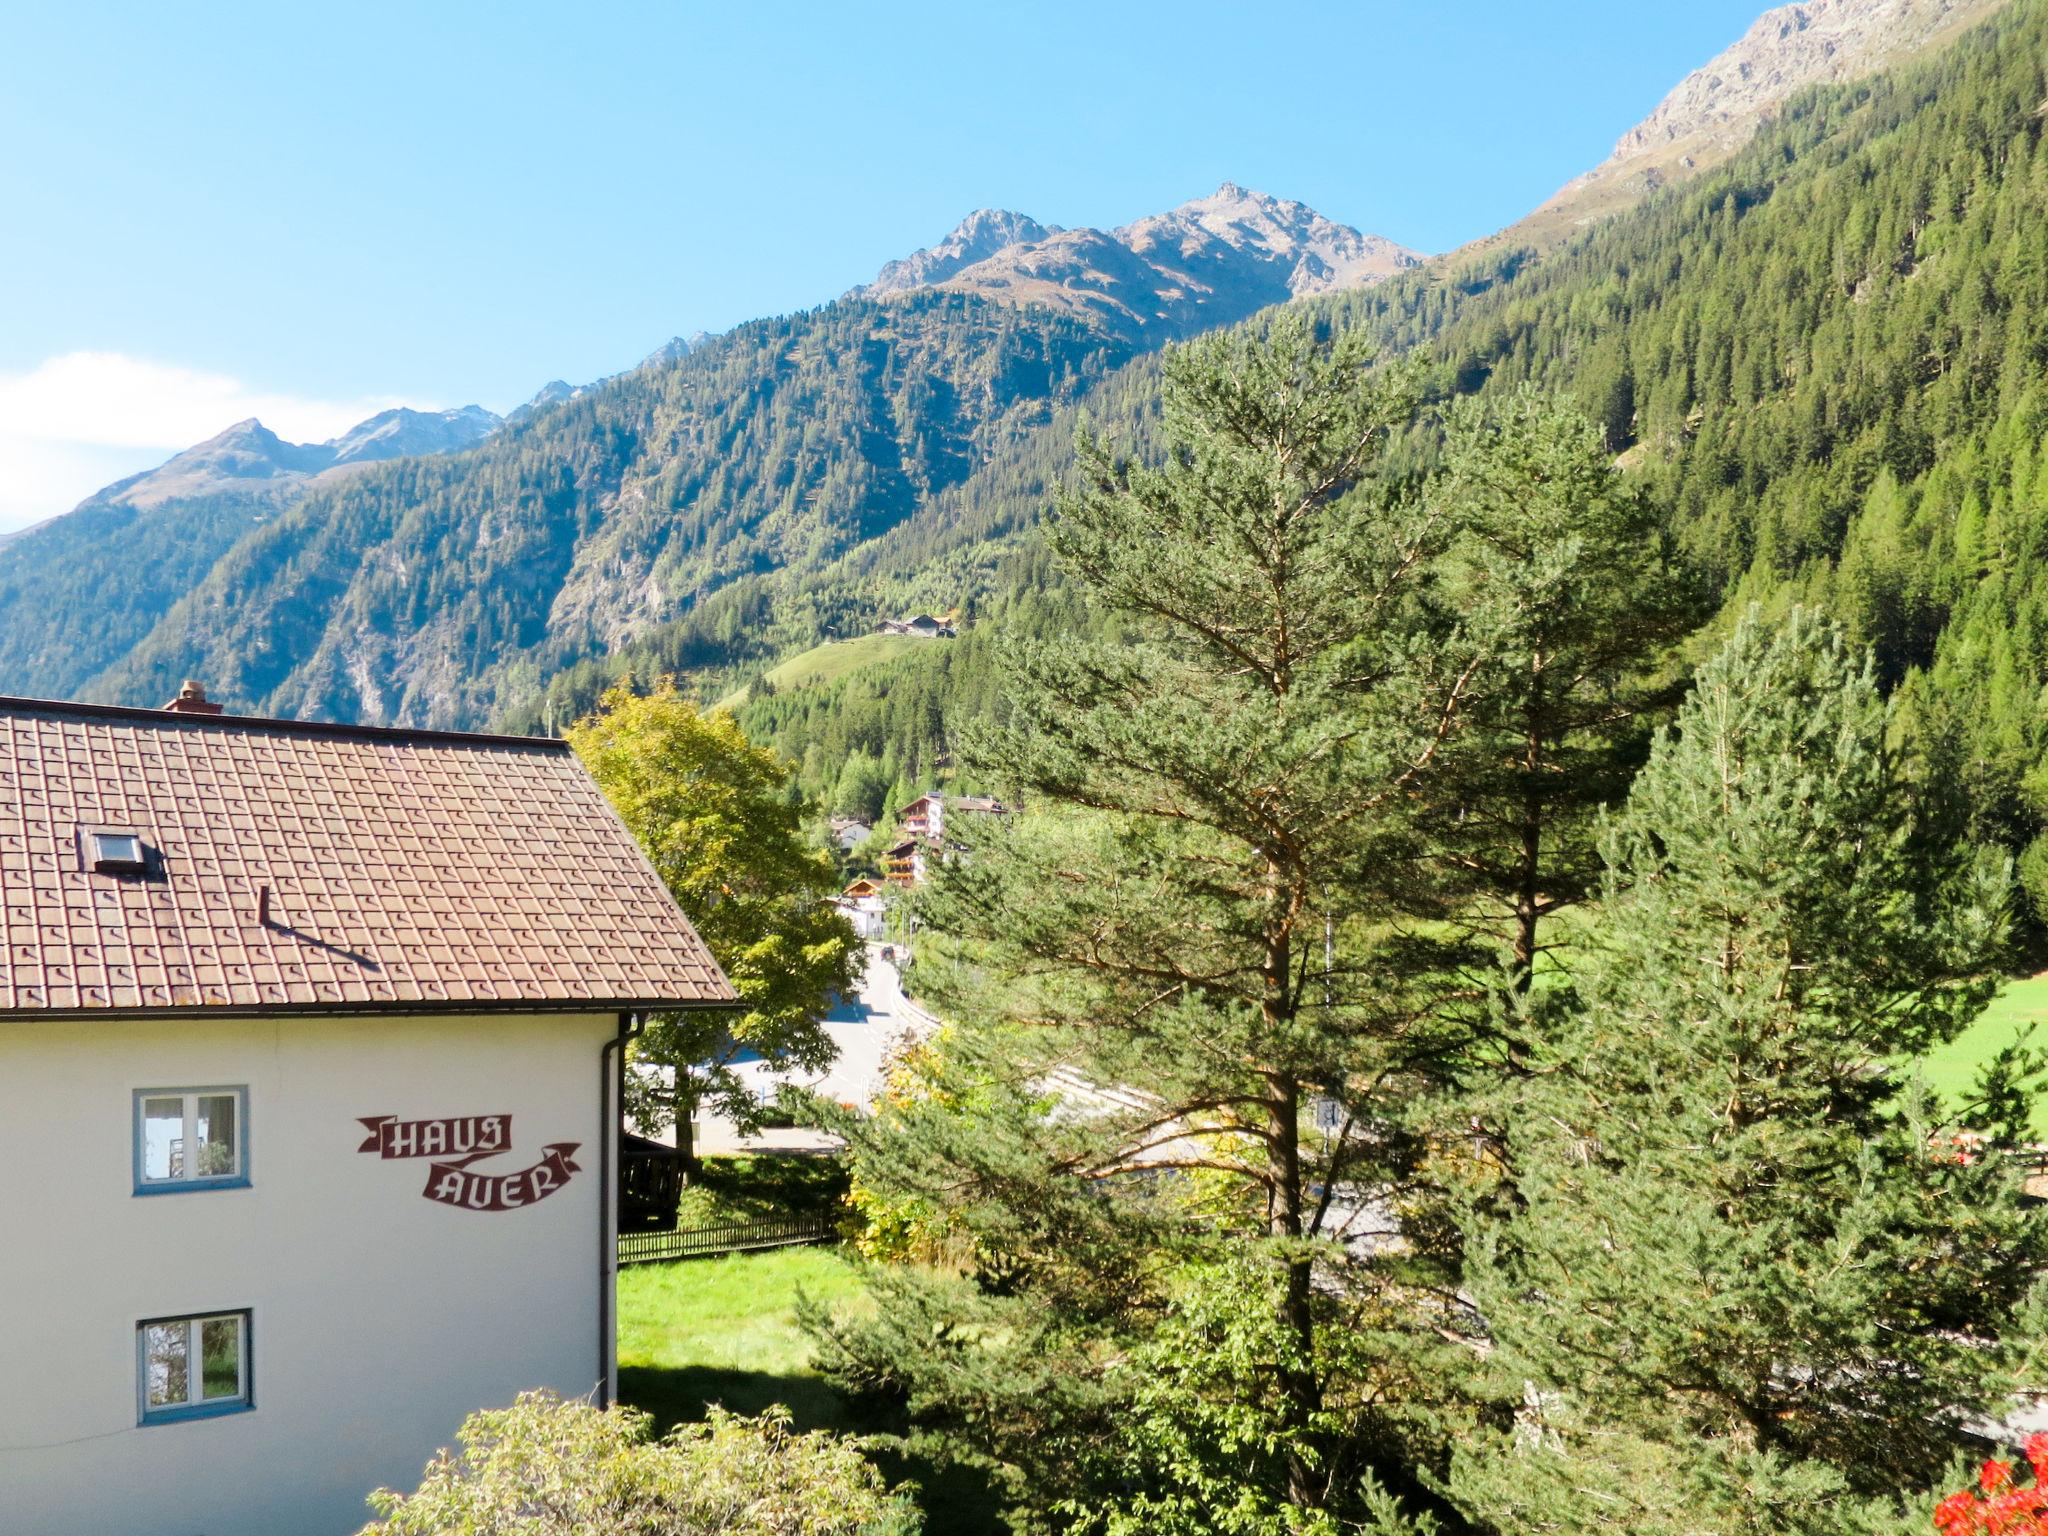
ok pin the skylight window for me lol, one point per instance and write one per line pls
(111, 851)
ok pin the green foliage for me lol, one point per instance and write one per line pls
(1743, 1285)
(545, 1467)
(748, 1188)
(1222, 760)
(1561, 568)
(442, 590)
(1825, 358)
(709, 810)
(1201, 1447)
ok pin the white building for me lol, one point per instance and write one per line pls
(310, 1041)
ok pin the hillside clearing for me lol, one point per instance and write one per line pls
(829, 662)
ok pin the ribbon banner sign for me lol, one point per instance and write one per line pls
(466, 1136)
(452, 1184)
(459, 1141)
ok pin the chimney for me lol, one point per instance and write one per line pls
(192, 700)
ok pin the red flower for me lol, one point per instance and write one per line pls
(2002, 1508)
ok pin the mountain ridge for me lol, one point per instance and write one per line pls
(1210, 261)
(77, 590)
(1719, 107)
(247, 454)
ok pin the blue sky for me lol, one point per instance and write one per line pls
(308, 211)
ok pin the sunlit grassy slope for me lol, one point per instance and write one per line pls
(1951, 1069)
(724, 1331)
(831, 661)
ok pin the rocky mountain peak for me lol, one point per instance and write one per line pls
(403, 432)
(1318, 253)
(248, 456)
(975, 238)
(1207, 262)
(1785, 50)
(1717, 108)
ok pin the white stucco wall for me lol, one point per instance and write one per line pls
(379, 1318)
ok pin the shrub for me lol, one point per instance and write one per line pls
(546, 1467)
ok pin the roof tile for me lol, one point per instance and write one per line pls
(403, 867)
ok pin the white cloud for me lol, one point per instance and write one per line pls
(73, 423)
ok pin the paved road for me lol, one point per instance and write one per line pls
(866, 1028)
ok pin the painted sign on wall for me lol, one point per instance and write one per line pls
(455, 1142)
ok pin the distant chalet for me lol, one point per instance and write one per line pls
(924, 627)
(922, 836)
(313, 1038)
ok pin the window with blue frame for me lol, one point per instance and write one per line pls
(191, 1138)
(192, 1367)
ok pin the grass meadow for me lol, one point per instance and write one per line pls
(2022, 1006)
(724, 1331)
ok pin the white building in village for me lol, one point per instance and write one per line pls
(310, 1040)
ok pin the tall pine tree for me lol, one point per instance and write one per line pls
(1748, 1285)
(1195, 934)
(1562, 564)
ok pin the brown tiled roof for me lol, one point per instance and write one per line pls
(407, 870)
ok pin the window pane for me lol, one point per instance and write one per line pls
(117, 847)
(164, 1347)
(163, 1132)
(220, 1341)
(216, 1136)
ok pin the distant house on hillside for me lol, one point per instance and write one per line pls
(924, 626)
(979, 805)
(923, 817)
(312, 1039)
(922, 827)
(849, 832)
(904, 864)
(862, 903)
(926, 815)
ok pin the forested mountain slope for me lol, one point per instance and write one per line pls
(77, 591)
(1826, 359)
(432, 591)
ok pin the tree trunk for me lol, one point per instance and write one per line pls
(1529, 883)
(683, 1108)
(1528, 894)
(1295, 1314)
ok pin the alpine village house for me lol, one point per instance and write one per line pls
(311, 1041)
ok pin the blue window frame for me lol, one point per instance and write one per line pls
(191, 1138)
(193, 1367)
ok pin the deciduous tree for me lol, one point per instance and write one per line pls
(709, 809)
(545, 1467)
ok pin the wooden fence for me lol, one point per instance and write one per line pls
(734, 1237)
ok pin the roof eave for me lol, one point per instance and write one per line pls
(594, 1005)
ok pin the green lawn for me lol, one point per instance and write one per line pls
(724, 1331)
(833, 660)
(1951, 1069)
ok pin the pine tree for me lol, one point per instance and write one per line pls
(1112, 1145)
(1561, 568)
(1748, 1286)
